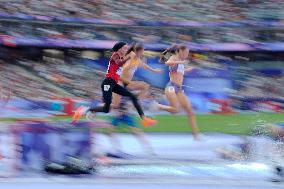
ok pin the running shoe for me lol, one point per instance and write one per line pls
(104, 160)
(79, 113)
(154, 106)
(147, 122)
(90, 116)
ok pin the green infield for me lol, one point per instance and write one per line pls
(231, 124)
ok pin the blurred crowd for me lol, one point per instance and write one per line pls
(260, 78)
(24, 84)
(73, 79)
(169, 10)
(150, 35)
(57, 76)
(53, 76)
(261, 86)
(49, 79)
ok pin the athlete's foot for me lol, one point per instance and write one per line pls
(147, 122)
(154, 106)
(197, 137)
(104, 160)
(90, 116)
(79, 113)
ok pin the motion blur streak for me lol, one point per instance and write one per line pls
(219, 62)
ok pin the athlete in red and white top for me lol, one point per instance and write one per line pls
(110, 85)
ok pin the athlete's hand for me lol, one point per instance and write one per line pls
(158, 70)
(185, 62)
(129, 56)
(189, 69)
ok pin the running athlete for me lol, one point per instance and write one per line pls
(174, 90)
(125, 118)
(110, 85)
(128, 70)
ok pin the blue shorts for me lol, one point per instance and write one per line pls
(281, 125)
(127, 120)
(175, 87)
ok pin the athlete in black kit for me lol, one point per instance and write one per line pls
(110, 85)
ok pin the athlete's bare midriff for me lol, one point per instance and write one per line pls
(127, 75)
(176, 78)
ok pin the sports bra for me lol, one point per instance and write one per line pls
(135, 63)
(178, 68)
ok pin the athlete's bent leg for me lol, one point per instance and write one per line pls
(141, 86)
(124, 92)
(142, 139)
(107, 87)
(172, 99)
(113, 139)
(116, 100)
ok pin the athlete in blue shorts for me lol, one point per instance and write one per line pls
(123, 118)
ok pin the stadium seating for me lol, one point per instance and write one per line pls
(168, 10)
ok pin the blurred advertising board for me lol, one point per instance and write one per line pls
(208, 90)
(107, 44)
(39, 141)
(256, 104)
(7, 151)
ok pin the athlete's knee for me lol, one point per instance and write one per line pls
(106, 108)
(146, 86)
(189, 112)
(175, 110)
(135, 131)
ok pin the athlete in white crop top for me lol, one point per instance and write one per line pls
(174, 90)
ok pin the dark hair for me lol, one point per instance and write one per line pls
(173, 49)
(181, 47)
(118, 46)
(135, 47)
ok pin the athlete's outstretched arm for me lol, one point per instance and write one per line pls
(189, 68)
(172, 61)
(204, 63)
(147, 67)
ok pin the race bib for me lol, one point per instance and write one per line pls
(180, 68)
(106, 87)
(119, 71)
(171, 89)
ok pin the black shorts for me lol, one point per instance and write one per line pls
(124, 84)
(110, 86)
